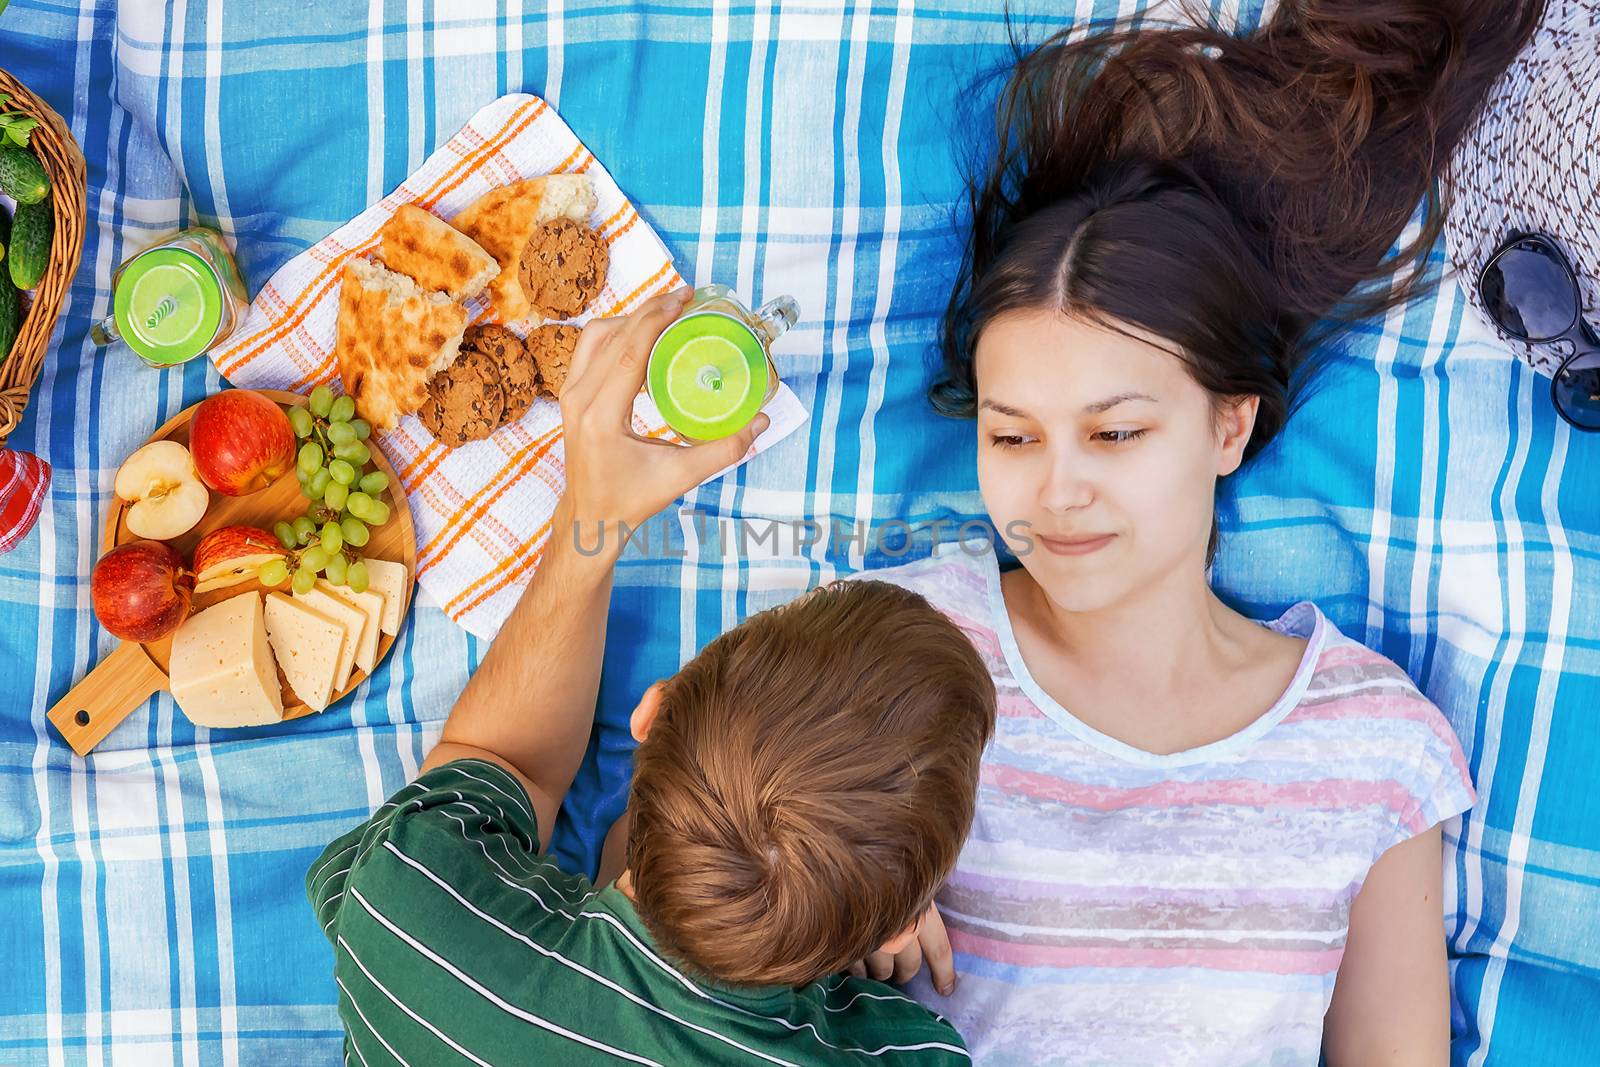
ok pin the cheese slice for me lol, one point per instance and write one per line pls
(370, 605)
(308, 647)
(221, 668)
(388, 580)
(351, 619)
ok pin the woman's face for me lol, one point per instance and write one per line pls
(1106, 448)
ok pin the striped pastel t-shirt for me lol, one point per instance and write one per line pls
(1113, 906)
(456, 942)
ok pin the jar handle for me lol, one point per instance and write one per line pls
(776, 316)
(105, 331)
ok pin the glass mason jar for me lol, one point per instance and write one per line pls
(176, 299)
(711, 370)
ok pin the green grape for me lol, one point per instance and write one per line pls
(303, 529)
(300, 419)
(359, 504)
(332, 537)
(355, 453)
(314, 558)
(310, 457)
(342, 409)
(378, 513)
(355, 531)
(341, 471)
(321, 401)
(334, 495)
(300, 476)
(273, 572)
(304, 579)
(363, 454)
(335, 570)
(374, 482)
(363, 429)
(355, 576)
(286, 535)
(319, 483)
(341, 433)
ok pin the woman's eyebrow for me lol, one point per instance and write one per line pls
(1089, 409)
(1112, 401)
(1005, 409)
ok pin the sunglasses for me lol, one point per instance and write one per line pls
(1530, 291)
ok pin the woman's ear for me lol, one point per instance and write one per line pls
(644, 713)
(1235, 421)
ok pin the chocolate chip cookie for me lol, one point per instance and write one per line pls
(552, 348)
(465, 400)
(519, 373)
(563, 268)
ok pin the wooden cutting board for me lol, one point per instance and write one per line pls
(128, 677)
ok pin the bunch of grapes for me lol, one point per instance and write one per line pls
(343, 497)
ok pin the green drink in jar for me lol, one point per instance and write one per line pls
(711, 370)
(175, 300)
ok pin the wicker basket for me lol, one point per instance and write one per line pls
(63, 162)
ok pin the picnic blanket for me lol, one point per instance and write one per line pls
(1425, 496)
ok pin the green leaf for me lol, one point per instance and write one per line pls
(3, 4)
(4, 97)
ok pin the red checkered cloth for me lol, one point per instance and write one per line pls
(23, 479)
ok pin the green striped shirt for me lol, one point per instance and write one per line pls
(456, 941)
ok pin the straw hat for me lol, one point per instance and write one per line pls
(1532, 162)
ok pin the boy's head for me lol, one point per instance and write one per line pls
(804, 784)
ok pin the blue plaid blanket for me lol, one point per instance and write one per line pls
(1426, 497)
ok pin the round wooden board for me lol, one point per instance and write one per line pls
(395, 540)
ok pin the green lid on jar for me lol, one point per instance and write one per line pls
(168, 304)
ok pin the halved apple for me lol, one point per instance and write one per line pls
(167, 494)
(232, 555)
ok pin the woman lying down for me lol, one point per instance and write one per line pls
(1198, 840)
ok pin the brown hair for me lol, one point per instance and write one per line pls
(1226, 193)
(807, 784)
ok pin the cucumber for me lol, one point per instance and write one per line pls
(30, 244)
(5, 229)
(10, 316)
(22, 176)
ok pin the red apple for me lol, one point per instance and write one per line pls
(141, 590)
(241, 442)
(232, 555)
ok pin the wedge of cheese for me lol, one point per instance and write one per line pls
(308, 647)
(370, 605)
(221, 669)
(336, 610)
(388, 580)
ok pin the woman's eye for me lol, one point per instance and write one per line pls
(1008, 441)
(1119, 437)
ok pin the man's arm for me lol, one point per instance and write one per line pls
(530, 705)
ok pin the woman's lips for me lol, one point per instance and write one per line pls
(1075, 546)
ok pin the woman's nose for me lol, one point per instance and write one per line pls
(1066, 489)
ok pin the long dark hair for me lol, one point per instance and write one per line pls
(1235, 196)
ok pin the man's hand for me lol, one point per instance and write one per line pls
(931, 946)
(612, 474)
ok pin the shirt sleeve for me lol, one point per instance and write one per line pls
(1440, 786)
(473, 800)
